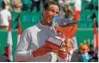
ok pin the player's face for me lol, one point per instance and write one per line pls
(53, 10)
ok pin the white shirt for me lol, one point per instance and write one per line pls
(70, 55)
(31, 39)
(5, 15)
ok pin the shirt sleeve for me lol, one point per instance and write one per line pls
(22, 52)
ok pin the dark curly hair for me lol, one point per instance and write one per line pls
(49, 3)
(3, 5)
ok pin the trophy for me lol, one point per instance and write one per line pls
(63, 47)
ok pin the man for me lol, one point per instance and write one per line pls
(84, 52)
(17, 5)
(94, 58)
(34, 37)
(71, 55)
(91, 50)
(5, 15)
(35, 3)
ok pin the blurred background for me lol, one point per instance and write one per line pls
(26, 13)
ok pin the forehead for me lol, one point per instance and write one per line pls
(69, 40)
(53, 6)
(84, 47)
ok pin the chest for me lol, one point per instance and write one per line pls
(41, 36)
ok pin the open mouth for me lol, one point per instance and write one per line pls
(49, 21)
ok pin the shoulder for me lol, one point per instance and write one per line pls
(31, 29)
(1, 11)
(4, 11)
(78, 56)
(77, 53)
